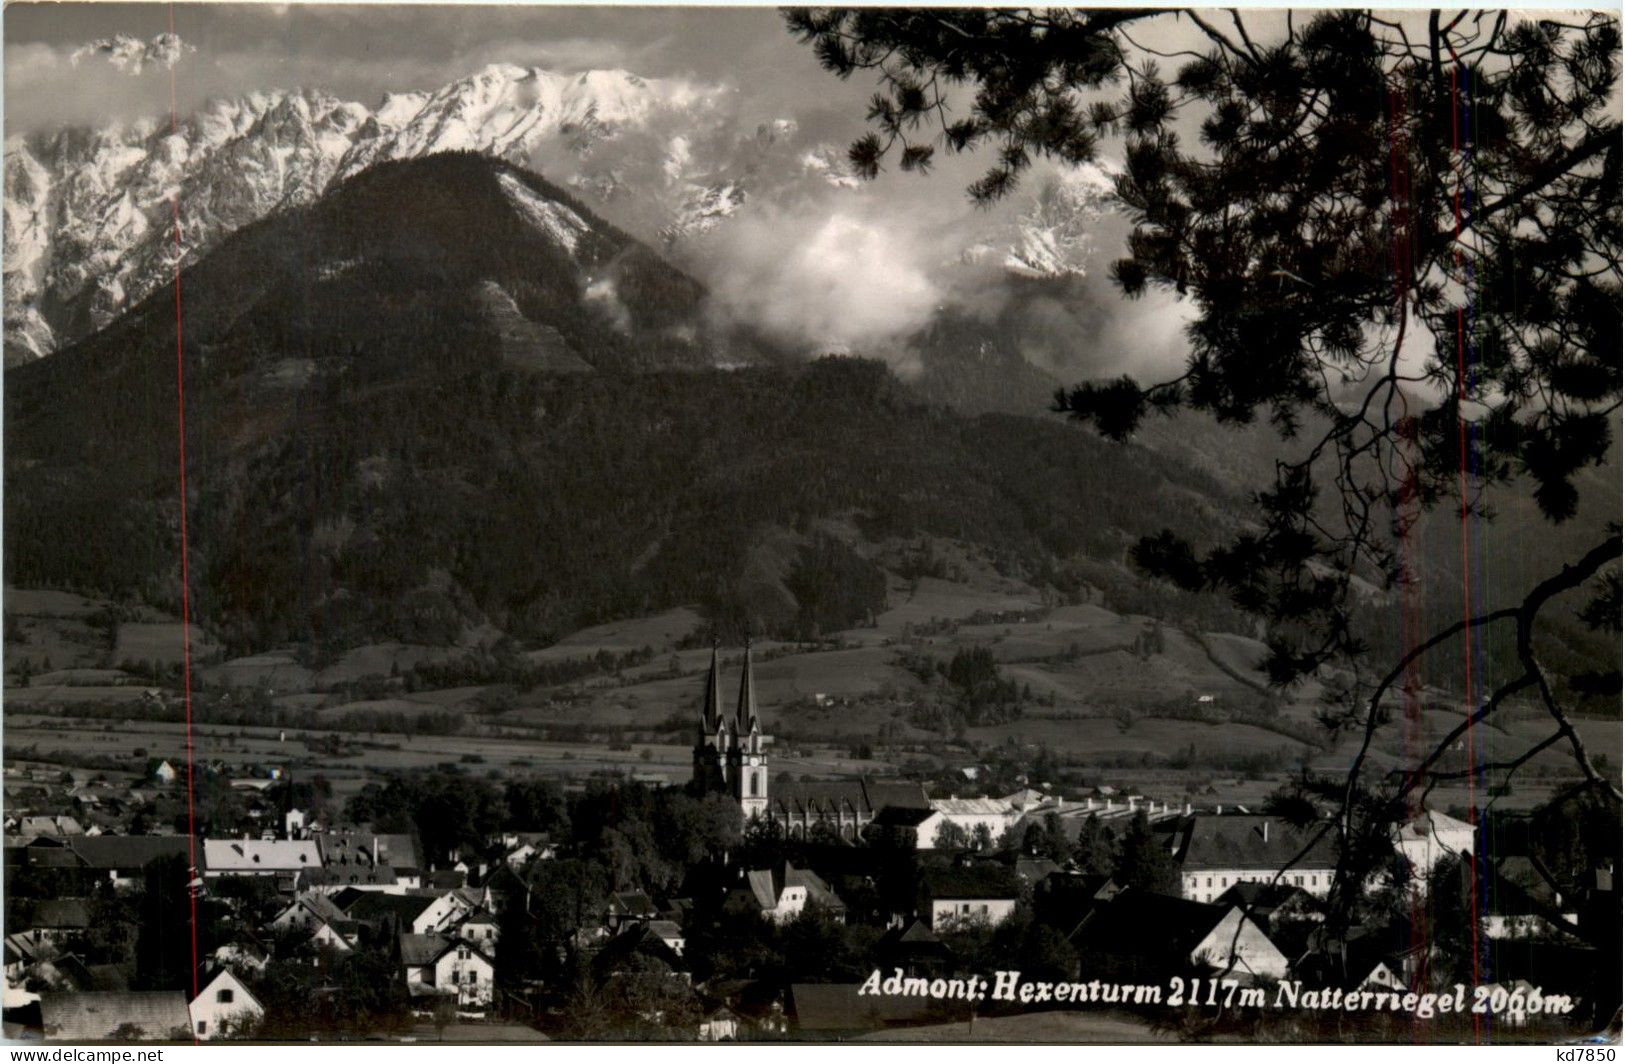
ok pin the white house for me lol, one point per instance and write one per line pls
(1427, 838)
(259, 857)
(1217, 852)
(971, 894)
(224, 1007)
(439, 965)
(305, 913)
(1139, 934)
(968, 814)
(781, 893)
(480, 928)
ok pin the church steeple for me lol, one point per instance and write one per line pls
(746, 717)
(711, 708)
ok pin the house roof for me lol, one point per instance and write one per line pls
(973, 806)
(767, 886)
(666, 929)
(631, 903)
(637, 940)
(127, 853)
(862, 797)
(1138, 922)
(1250, 842)
(345, 848)
(106, 1015)
(976, 881)
(260, 855)
(352, 875)
(49, 825)
(417, 950)
(904, 816)
(1261, 900)
(373, 907)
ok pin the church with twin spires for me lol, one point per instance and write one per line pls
(729, 755)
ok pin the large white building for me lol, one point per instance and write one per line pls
(1215, 853)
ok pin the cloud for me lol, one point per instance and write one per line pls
(132, 55)
(825, 276)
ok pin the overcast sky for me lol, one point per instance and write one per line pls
(359, 52)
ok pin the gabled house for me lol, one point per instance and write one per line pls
(639, 948)
(479, 927)
(305, 913)
(332, 936)
(123, 859)
(627, 907)
(435, 965)
(781, 893)
(1141, 935)
(58, 920)
(983, 892)
(421, 913)
(224, 1007)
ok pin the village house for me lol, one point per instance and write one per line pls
(904, 827)
(48, 825)
(282, 858)
(981, 893)
(480, 928)
(628, 906)
(305, 913)
(123, 859)
(782, 892)
(970, 815)
(1427, 838)
(224, 1007)
(421, 913)
(436, 965)
(1141, 935)
(1217, 852)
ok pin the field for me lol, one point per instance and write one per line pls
(1115, 695)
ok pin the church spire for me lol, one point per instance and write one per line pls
(747, 721)
(711, 710)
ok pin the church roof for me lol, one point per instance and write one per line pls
(831, 797)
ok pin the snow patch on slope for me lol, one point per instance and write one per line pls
(559, 222)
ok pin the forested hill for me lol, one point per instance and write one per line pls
(543, 503)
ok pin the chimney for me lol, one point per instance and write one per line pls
(1266, 830)
(375, 851)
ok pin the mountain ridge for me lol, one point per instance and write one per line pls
(89, 223)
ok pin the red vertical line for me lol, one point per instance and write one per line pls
(1458, 158)
(186, 583)
(1400, 195)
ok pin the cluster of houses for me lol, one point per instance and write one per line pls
(1248, 900)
